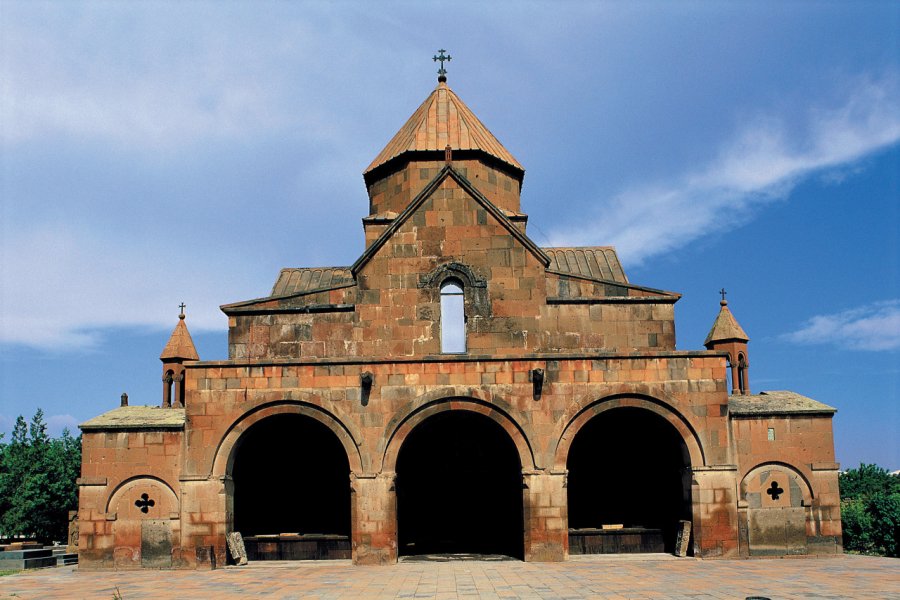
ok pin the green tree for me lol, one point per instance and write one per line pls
(870, 510)
(12, 474)
(38, 481)
(867, 480)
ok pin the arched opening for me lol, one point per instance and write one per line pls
(742, 375)
(628, 484)
(453, 317)
(291, 482)
(459, 488)
(168, 380)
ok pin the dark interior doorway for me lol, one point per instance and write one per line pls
(459, 488)
(627, 466)
(291, 475)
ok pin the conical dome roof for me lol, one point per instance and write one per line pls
(180, 345)
(725, 327)
(443, 120)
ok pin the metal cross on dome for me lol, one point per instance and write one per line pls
(181, 306)
(442, 72)
(723, 292)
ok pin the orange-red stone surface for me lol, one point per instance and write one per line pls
(601, 342)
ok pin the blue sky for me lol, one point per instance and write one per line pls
(160, 152)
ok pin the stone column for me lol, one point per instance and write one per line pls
(546, 516)
(373, 510)
(715, 514)
(203, 522)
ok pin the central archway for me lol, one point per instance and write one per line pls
(292, 489)
(459, 488)
(629, 469)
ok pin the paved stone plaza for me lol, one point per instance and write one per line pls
(584, 577)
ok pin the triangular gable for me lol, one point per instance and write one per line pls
(427, 191)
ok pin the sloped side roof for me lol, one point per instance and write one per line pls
(443, 120)
(725, 327)
(595, 262)
(137, 417)
(301, 280)
(776, 402)
(180, 344)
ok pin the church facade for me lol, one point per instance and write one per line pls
(457, 389)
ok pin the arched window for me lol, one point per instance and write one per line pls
(453, 317)
(168, 379)
(742, 365)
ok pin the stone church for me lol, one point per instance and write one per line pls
(457, 389)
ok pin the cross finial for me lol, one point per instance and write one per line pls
(181, 314)
(724, 301)
(442, 72)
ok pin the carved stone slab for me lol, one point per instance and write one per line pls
(236, 548)
(683, 538)
(72, 546)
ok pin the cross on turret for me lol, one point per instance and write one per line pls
(723, 292)
(442, 72)
(181, 314)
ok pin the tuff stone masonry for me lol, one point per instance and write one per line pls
(457, 389)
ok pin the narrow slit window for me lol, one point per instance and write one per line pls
(453, 318)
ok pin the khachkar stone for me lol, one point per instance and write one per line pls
(72, 545)
(683, 538)
(236, 547)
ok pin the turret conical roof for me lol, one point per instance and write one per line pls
(443, 120)
(180, 345)
(725, 327)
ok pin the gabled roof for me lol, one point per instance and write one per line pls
(297, 281)
(180, 344)
(465, 184)
(725, 327)
(443, 120)
(594, 262)
(137, 417)
(780, 402)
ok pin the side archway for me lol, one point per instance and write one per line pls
(225, 453)
(629, 481)
(662, 409)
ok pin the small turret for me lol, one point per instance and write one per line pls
(179, 349)
(728, 336)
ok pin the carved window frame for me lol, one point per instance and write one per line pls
(476, 305)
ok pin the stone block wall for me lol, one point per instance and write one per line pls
(119, 527)
(394, 192)
(795, 452)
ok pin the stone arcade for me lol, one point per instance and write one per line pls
(457, 389)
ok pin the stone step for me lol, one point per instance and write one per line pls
(66, 559)
(28, 563)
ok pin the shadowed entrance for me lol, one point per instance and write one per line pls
(627, 468)
(291, 476)
(459, 488)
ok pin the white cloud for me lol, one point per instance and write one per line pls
(56, 424)
(762, 164)
(59, 285)
(171, 75)
(872, 327)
